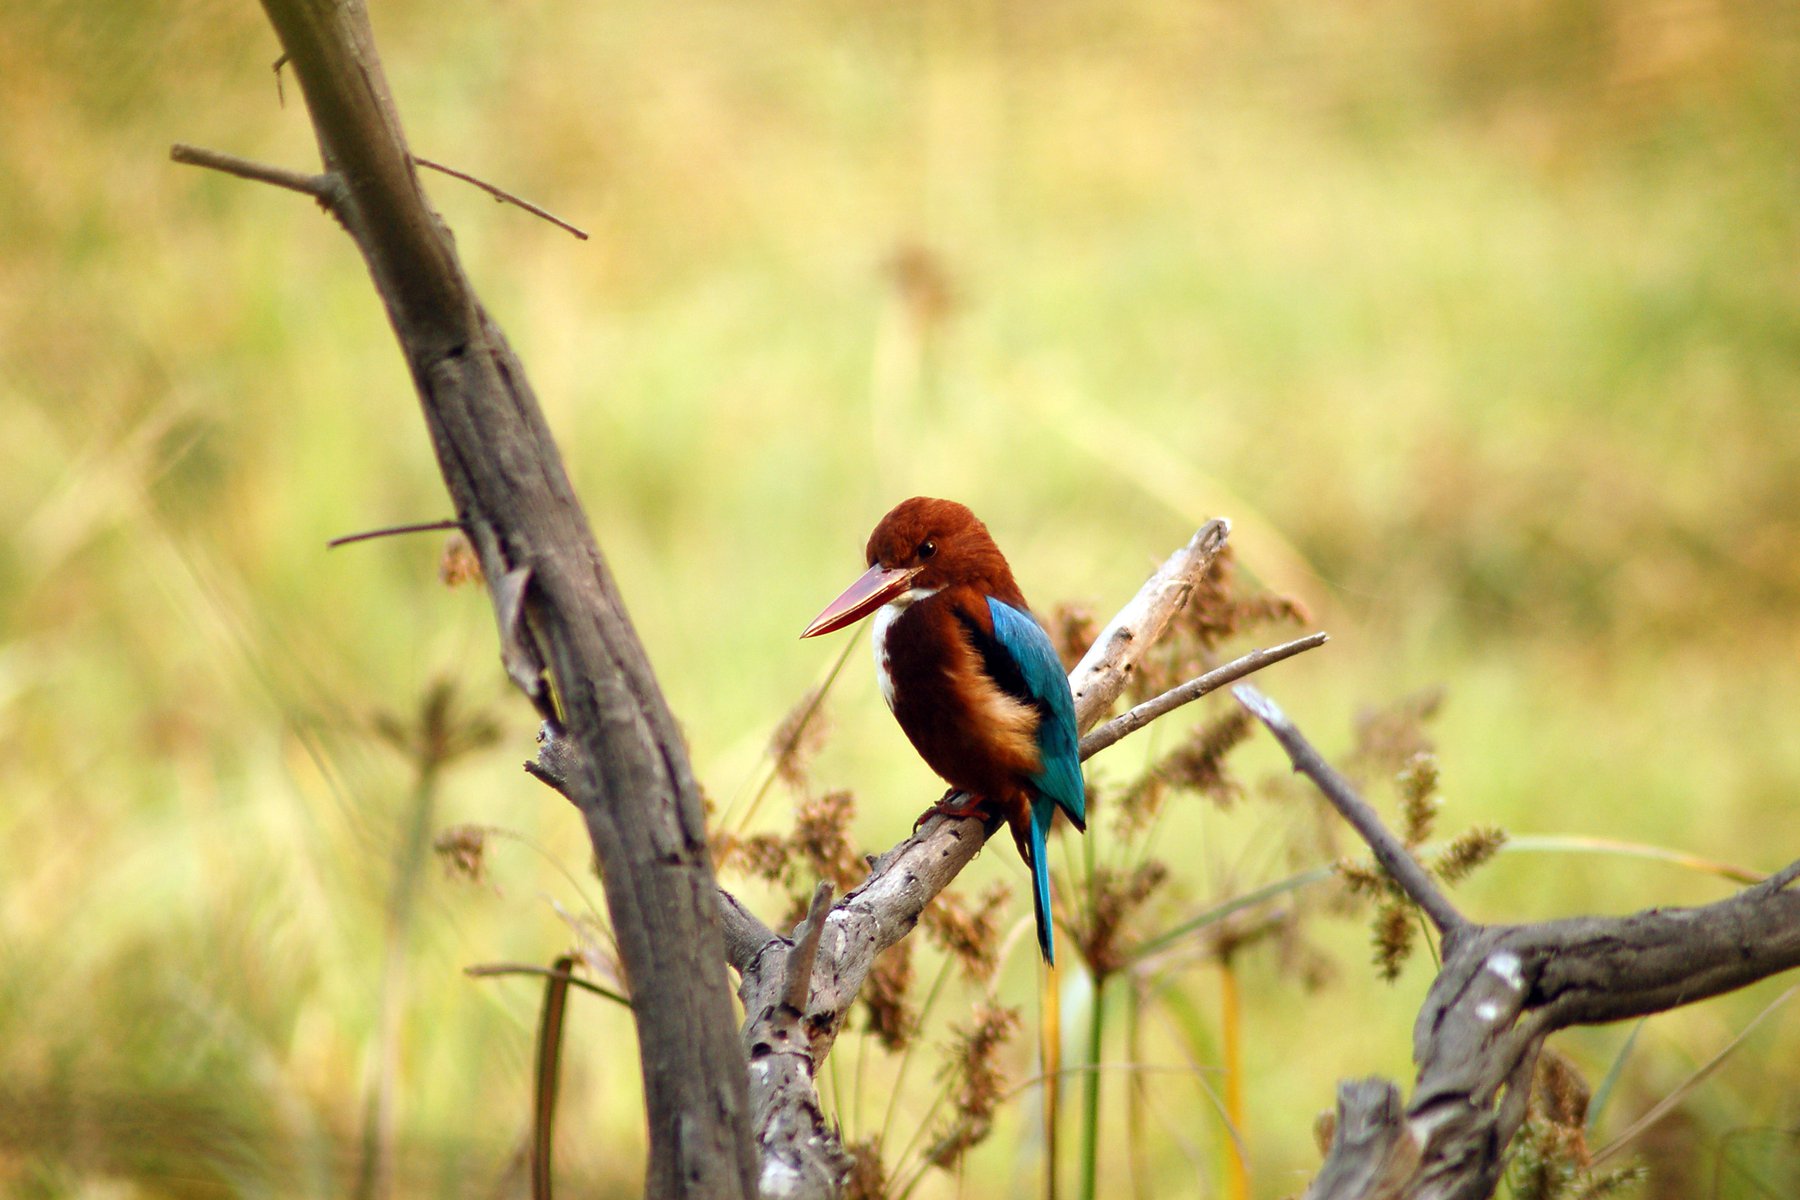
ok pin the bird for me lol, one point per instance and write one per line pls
(971, 677)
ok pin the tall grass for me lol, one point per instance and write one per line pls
(1480, 323)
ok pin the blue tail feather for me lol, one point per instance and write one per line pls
(1042, 810)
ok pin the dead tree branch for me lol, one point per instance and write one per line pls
(565, 635)
(1135, 719)
(1389, 851)
(326, 188)
(1501, 991)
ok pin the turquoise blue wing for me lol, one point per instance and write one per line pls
(1038, 678)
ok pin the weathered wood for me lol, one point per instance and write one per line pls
(559, 611)
(1501, 991)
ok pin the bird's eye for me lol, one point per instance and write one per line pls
(927, 549)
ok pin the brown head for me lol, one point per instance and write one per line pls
(925, 544)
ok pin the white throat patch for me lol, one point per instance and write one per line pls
(885, 617)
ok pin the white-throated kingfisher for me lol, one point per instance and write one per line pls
(971, 677)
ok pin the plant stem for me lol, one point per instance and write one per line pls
(1231, 1033)
(1090, 1094)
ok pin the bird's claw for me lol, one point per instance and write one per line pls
(971, 806)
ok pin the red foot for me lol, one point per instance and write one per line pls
(971, 806)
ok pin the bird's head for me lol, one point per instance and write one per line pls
(920, 547)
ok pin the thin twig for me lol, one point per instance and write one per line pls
(390, 531)
(799, 966)
(1389, 852)
(1193, 689)
(504, 196)
(484, 970)
(324, 188)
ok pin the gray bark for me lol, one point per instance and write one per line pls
(1501, 991)
(565, 636)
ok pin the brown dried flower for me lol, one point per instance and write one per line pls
(1468, 852)
(463, 849)
(797, 738)
(883, 997)
(971, 935)
(1073, 628)
(1116, 896)
(979, 1088)
(1417, 784)
(868, 1178)
(1198, 764)
(1393, 937)
(458, 564)
(822, 838)
(1387, 738)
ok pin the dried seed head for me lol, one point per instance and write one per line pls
(867, 1179)
(1417, 783)
(1220, 609)
(458, 564)
(1559, 1097)
(1469, 851)
(1324, 1129)
(974, 1064)
(764, 856)
(822, 838)
(923, 285)
(1393, 938)
(970, 934)
(1197, 765)
(1117, 895)
(883, 998)
(798, 737)
(1073, 628)
(1386, 738)
(1363, 879)
(463, 849)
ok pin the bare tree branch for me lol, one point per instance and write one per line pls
(568, 642)
(1389, 851)
(1501, 991)
(1186, 693)
(326, 188)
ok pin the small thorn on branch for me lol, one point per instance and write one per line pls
(1401, 866)
(325, 188)
(390, 531)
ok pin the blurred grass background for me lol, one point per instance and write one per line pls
(1481, 322)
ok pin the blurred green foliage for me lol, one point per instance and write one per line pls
(1481, 322)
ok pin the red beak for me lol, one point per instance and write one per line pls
(877, 586)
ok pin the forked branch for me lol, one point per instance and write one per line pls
(1501, 991)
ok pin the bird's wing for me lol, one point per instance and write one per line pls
(1021, 660)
